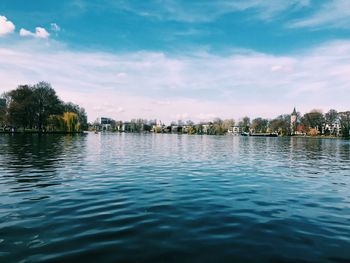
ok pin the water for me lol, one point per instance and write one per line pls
(173, 198)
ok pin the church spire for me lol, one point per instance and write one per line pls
(293, 122)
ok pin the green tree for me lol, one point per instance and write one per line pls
(228, 124)
(82, 116)
(36, 106)
(281, 125)
(245, 124)
(345, 123)
(313, 119)
(331, 116)
(260, 125)
(71, 122)
(21, 107)
(46, 103)
(3, 112)
(55, 123)
(218, 127)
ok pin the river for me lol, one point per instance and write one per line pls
(173, 198)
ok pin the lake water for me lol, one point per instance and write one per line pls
(173, 198)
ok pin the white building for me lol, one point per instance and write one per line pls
(103, 124)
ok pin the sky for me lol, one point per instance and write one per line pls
(181, 59)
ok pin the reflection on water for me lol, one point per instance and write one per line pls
(173, 198)
(31, 161)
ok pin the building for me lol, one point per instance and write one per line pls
(332, 128)
(235, 130)
(103, 124)
(128, 127)
(207, 127)
(293, 122)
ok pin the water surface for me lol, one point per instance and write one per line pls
(173, 198)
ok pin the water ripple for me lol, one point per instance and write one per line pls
(171, 198)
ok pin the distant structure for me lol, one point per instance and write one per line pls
(103, 124)
(235, 130)
(293, 122)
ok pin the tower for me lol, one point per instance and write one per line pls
(293, 122)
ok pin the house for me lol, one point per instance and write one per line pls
(235, 130)
(206, 128)
(128, 127)
(158, 127)
(333, 128)
(103, 124)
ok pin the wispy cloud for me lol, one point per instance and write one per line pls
(196, 86)
(40, 32)
(305, 13)
(207, 10)
(6, 26)
(55, 28)
(332, 14)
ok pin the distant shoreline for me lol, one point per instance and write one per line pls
(228, 134)
(112, 132)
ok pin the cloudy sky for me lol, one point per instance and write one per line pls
(180, 59)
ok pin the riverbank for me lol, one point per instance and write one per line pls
(228, 134)
(21, 132)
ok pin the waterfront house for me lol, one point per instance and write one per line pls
(333, 128)
(159, 127)
(128, 127)
(235, 130)
(207, 127)
(103, 124)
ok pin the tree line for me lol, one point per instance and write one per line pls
(38, 108)
(332, 123)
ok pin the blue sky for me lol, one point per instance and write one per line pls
(171, 60)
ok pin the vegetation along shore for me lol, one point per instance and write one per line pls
(38, 109)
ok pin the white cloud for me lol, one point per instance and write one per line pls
(55, 28)
(332, 14)
(276, 68)
(6, 26)
(40, 32)
(24, 32)
(201, 85)
(279, 68)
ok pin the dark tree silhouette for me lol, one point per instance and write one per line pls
(46, 103)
